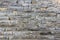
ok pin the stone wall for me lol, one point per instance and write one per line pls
(29, 20)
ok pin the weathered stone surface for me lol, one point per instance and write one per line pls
(29, 20)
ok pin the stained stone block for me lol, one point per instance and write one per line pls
(51, 14)
(34, 1)
(8, 23)
(58, 24)
(20, 34)
(24, 39)
(58, 15)
(51, 18)
(3, 18)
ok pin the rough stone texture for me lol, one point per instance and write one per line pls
(29, 19)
